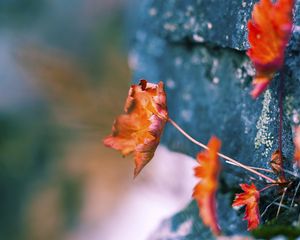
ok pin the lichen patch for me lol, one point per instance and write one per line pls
(264, 137)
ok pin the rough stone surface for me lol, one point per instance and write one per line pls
(198, 49)
(219, 22)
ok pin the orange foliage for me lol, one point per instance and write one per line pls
(276, 164)
(251, 199)
(205, 190)
(297, 145)
(138, 131)
(269, 31)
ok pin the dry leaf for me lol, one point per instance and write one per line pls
(276, 164)
(205, 191)
(250, 198)
(138, 131)
(269, 31)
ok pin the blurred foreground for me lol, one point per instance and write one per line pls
(64, 78)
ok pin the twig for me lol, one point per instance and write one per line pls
(268, 170)
(280, 204)
(264, 212)
(255, 168)
(265, 188)
(290, 172)
(280, 106)
(297, 188)
(220, 154)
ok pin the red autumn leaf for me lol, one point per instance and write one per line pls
(205, 190)
(269, 31)
(138, 131)
(297, 145)
(250, 198)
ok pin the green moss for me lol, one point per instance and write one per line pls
(267, 232)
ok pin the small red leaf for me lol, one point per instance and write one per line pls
(205, 191)
(138, 131)
(269, 31)
(250, 198)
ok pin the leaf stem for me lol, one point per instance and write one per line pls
(280, 106)
(255, 168)
(267, 170)
(265, 188)
(231, 160)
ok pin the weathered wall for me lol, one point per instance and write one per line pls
(197, 47)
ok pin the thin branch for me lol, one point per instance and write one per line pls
(282, 197)
(282, 205)
(268, 170)
(220, 154)
(280, 106)
(297, 188)
(290, 172)
(264, 212)
(265, 188)
(187, 135)
(255, 168)
(253, 179)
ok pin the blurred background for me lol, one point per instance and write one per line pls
(64, 77)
